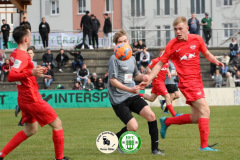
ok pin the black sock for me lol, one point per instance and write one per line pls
(153, 131)
(124, 129)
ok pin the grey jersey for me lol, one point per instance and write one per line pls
(171, 70)
(124, 72)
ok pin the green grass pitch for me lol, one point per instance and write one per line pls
(82, 126)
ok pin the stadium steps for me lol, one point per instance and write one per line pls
(97, 61)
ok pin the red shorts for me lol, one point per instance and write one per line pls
(192, 94)
(159, 89)
(39, 111)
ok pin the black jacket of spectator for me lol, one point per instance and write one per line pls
(100, 85)
(6, 30)
(44, 28)
(86, 23)
(233, 47)
(94, 81)
(236, 62)
(46, 58)
(95, 25)
(83, 72)
(26, 24)
(77, 57)
(107, 28)
(190, 28)
(59, 59)
(141, 46)
(51, 73)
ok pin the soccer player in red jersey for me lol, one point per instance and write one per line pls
(34, 108)
(184, 53)
(158, 84)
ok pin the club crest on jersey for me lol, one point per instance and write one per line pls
(17, 63)
(193, 47)
(163, 69)
(187, 56)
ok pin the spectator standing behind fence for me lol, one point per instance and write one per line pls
(44, 30)
(144, 58)
(77, 86)
(62, 60)
(233, 48)
(31, 54)
(193, 24)
(5, 28)
(95, 28)
(82, 75)
(25, 23)
(234, 65)
(229, 81)
(236, 78)
(48, 59)
(107, 30)
(78, 59)
(207, 27)
(48, 80)
(105, 78)
(89, 86)
(2, 59)
(5, 70)
(225, 60)
(218, 80)
(86, 26)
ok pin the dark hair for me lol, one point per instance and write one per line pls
(61, 49)
(87, 12)
(30, 48)
(19, 32)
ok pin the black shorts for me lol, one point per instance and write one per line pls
(171, 88)
(124, 110)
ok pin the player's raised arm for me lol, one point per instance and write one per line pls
(211, 58)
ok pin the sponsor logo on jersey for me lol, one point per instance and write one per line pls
(199, 93)
(178, 50)
(163, 69)
(187, 56)
(193, 47)
(17, 63)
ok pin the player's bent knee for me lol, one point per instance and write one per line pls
(151, 117)
(56, 124)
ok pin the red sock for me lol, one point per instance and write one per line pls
(203, 125)
(170, 108)
(13, 143)
(183, 119)
(58, 141)
(140, 94)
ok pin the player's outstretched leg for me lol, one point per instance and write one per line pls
(58, 139)
(29, 130)
(148, 114)
(169, 104)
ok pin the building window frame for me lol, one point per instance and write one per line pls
(55, 7)
(81, 6)
(138, 8)
(138, 33)
(198, 6)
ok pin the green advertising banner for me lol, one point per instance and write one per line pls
(62, 98)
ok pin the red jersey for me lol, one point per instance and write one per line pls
(162, 73)
(185, 56)
(21, 72)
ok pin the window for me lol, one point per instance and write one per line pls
(167, 7)
(230, 29)
(137, 8)
(158, 7)
(227, 2)
(159, 36)
(108, 5)
(137, 33)
(81, 6)
(55, 7)
(168, 34)
(197, 6)
(175, 7)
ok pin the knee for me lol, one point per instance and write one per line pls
(29, 132)
(177, 95)
(56, 124)
(151, 117)
(132, 127)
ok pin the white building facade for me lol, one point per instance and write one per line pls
(151, 20)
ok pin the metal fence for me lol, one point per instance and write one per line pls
(153, 38)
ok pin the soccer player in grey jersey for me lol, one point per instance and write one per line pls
(124, 96)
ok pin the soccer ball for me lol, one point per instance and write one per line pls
(123, 51)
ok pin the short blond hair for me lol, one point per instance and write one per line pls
(118, 35)
(180, 20)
